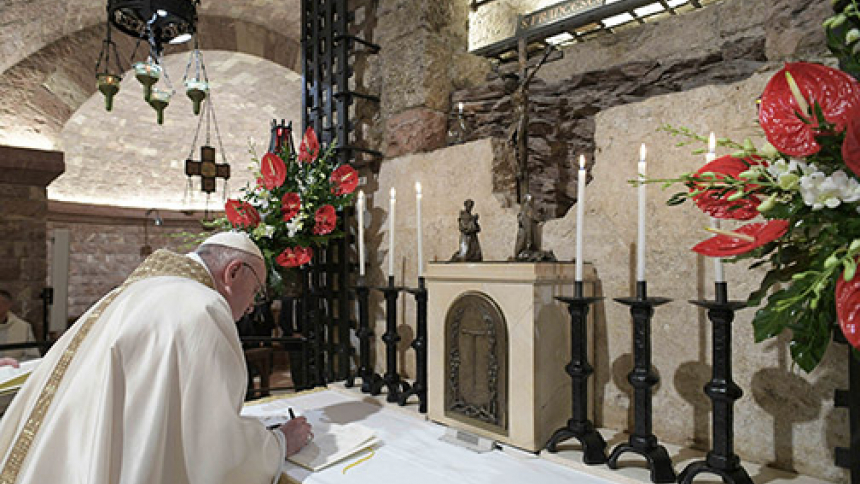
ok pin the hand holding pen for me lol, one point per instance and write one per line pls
(297, 432)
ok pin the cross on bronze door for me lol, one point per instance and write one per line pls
(207, 169)
(475, 334)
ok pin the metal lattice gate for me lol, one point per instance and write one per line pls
(330, 46)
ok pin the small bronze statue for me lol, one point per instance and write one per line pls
(527, 247)
(470, 248)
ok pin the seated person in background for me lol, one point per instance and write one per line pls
(14, 330)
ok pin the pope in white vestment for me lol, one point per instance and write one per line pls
(147, 387)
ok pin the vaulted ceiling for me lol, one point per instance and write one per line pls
(48, 53)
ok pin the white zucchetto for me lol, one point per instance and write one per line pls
(234, 240)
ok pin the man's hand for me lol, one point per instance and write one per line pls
(9, 362)
(298, 433)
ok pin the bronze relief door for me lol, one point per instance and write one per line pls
(476, 356)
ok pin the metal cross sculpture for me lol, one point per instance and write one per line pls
(517, 86)
(207, 169)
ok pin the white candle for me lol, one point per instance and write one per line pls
(391, 206)
(719, 275)
(460, 107)
(418, 228)
(580, 214)
(640, 242)
(711, 155)
(360, 210)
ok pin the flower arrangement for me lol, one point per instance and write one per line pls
(294, 205)
(805, 184)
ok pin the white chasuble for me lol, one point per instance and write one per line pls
(145, 388)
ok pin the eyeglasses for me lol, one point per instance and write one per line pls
(260, 295)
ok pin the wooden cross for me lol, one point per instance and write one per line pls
(207, 169)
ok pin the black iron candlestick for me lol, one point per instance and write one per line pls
(364, 335)
(579, 426)
(643, 441)
(849, 457)
(723, 392)
(391, 379)
(419, 344)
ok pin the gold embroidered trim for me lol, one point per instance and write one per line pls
(160, 263)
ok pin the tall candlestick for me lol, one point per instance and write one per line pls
(418, 228)
(580, 215)
(711, 155)
(640, 242)
(391, 206)
(360, 209)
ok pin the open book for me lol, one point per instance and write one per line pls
(11, 379)
(332, 442)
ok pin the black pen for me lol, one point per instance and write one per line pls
(292, 416)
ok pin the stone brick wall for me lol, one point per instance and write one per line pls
(723, 43)
(24, 174)
(422, 60)
(105, 245)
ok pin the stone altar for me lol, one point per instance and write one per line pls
(531, 340)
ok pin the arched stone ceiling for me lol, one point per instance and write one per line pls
(43, 90)
(125, 158)
(30, 25)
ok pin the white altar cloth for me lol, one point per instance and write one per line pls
(411, 452)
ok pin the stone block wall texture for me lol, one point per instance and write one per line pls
(722, 43)
(103, 253)
(45, 88)
(423, 58)
(24, 174)
(125, 158)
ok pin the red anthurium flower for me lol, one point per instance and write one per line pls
(851, 145)
(727, 246)
(325, 220)
(848, 308)
(836, 92)
(291, 203)
(345, 179)
(303, 254)
(274, 171)
(241, 214)
(294, 256)
(711, 202)
(310, 147)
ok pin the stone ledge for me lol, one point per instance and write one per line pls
(28, 166)
(70, 212)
